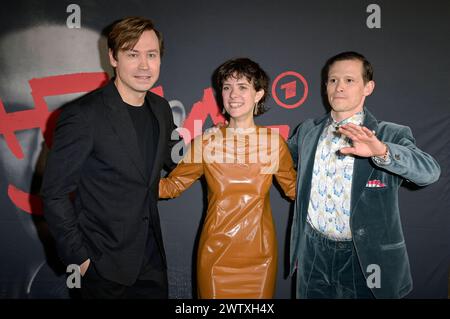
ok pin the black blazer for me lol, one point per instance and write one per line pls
(95, 154)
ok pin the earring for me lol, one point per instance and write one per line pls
(224, 111)
(255, 109)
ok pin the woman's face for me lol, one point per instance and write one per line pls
(239, 97)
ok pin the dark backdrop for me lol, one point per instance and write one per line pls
(44, 64)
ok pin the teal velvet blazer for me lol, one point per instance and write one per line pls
(375, 217)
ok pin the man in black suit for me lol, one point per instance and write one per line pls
(109, 149)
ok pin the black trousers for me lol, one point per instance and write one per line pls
(151, 284)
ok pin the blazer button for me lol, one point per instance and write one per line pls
(361, 232)
(145, 219)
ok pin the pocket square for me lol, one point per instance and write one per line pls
(375, 183)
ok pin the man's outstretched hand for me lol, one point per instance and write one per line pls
(365, 143)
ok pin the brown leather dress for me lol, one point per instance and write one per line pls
(237, 254)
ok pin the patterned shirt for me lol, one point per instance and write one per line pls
(331, 185)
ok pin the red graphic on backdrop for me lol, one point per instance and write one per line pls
(44, 119)
(201, 110)
(25, 201)
(290, 89)
(41, 117)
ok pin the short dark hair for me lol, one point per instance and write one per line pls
(125, 33)
(350, 55)
(240, 67)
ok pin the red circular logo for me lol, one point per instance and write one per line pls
(290, 89)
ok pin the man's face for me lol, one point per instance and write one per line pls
(137, 69)
(346, 89)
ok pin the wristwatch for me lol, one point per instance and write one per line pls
(385, 157)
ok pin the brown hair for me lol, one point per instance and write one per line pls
(251, 70)
(125, 34)
(367, 73)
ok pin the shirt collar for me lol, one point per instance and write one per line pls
(357, 119)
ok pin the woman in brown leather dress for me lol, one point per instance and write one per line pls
(237, 254)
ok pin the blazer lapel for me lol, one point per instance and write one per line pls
(307, 155)
(123, 127)
(362, 168)
(162, 138)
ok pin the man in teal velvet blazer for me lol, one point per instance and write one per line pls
(346, 237)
